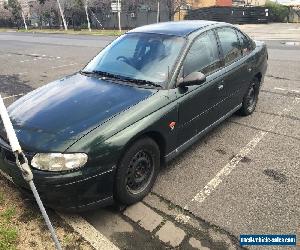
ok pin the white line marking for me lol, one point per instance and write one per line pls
(11, 96)
(229, 167)
(88, 232)
(62, 66)
(296, 91)
(289, 90)
(280, 89)
(209, 188)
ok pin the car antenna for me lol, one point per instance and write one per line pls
(23, 165)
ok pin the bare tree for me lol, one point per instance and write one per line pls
(174, 6)
(14, 7)
(5, 13)
(94, 5)
(46, 11)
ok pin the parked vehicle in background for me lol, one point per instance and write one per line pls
(101, 135)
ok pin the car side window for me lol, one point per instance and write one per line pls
(245, 43)
(203, 55)
(230, 44)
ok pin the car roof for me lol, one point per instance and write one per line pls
(176, 28)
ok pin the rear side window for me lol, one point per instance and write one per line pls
(203, 55)
(230, 44)
(246, 45)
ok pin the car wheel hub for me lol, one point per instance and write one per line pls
(139, 172)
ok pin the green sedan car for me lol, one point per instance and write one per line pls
(101, 135)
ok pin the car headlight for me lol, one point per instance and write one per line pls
(58, 161)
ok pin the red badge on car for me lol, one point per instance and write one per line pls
(172, 125)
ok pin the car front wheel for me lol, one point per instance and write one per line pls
(250, 99)
(137, 171)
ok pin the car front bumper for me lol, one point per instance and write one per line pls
(74, 191)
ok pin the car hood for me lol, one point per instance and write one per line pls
(53, 116)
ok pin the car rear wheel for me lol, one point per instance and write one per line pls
(137, 171)
(250, 99)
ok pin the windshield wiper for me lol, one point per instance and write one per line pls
(102, 73)
(143, 82)
(121, 78)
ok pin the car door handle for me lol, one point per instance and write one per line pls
(220, 86)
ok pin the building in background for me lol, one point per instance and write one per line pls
(209, 3)
(196, 4)
(238, 3)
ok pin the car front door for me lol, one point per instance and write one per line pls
(196, 103)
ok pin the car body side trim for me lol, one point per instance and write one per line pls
(192, 140)
(93, 205)
(90, 177)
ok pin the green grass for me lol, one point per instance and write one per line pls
(70, 31)
(67, 239)
(8, 238)
(1, 198)
(8, 214)
(8, 232)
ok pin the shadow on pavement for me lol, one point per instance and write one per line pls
(13, 85)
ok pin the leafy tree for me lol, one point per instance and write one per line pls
(46, 12)
(279, 12)
(16, 12)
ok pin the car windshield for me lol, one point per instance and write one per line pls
(141, 57)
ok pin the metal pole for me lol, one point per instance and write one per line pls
(158, 11)
(119, 15)
(45, 215)
(24, 167)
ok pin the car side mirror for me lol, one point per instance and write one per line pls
(195, 78)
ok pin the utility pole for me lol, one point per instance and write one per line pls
(158, 11)
(119, 15)
(62, 15)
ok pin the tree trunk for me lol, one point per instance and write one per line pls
(62, 15)
(24, 20)
(87, 15)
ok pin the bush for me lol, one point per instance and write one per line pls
(278, 12)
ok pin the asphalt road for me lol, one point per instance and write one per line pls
(241, 178)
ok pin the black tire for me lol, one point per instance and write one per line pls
(137, 171)
(250, 99)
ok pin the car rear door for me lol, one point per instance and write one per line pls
(196, 103)
(236, 70)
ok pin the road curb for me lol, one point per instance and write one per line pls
(88, 232)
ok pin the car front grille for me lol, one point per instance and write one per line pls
(7, 152)
(9, 155)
